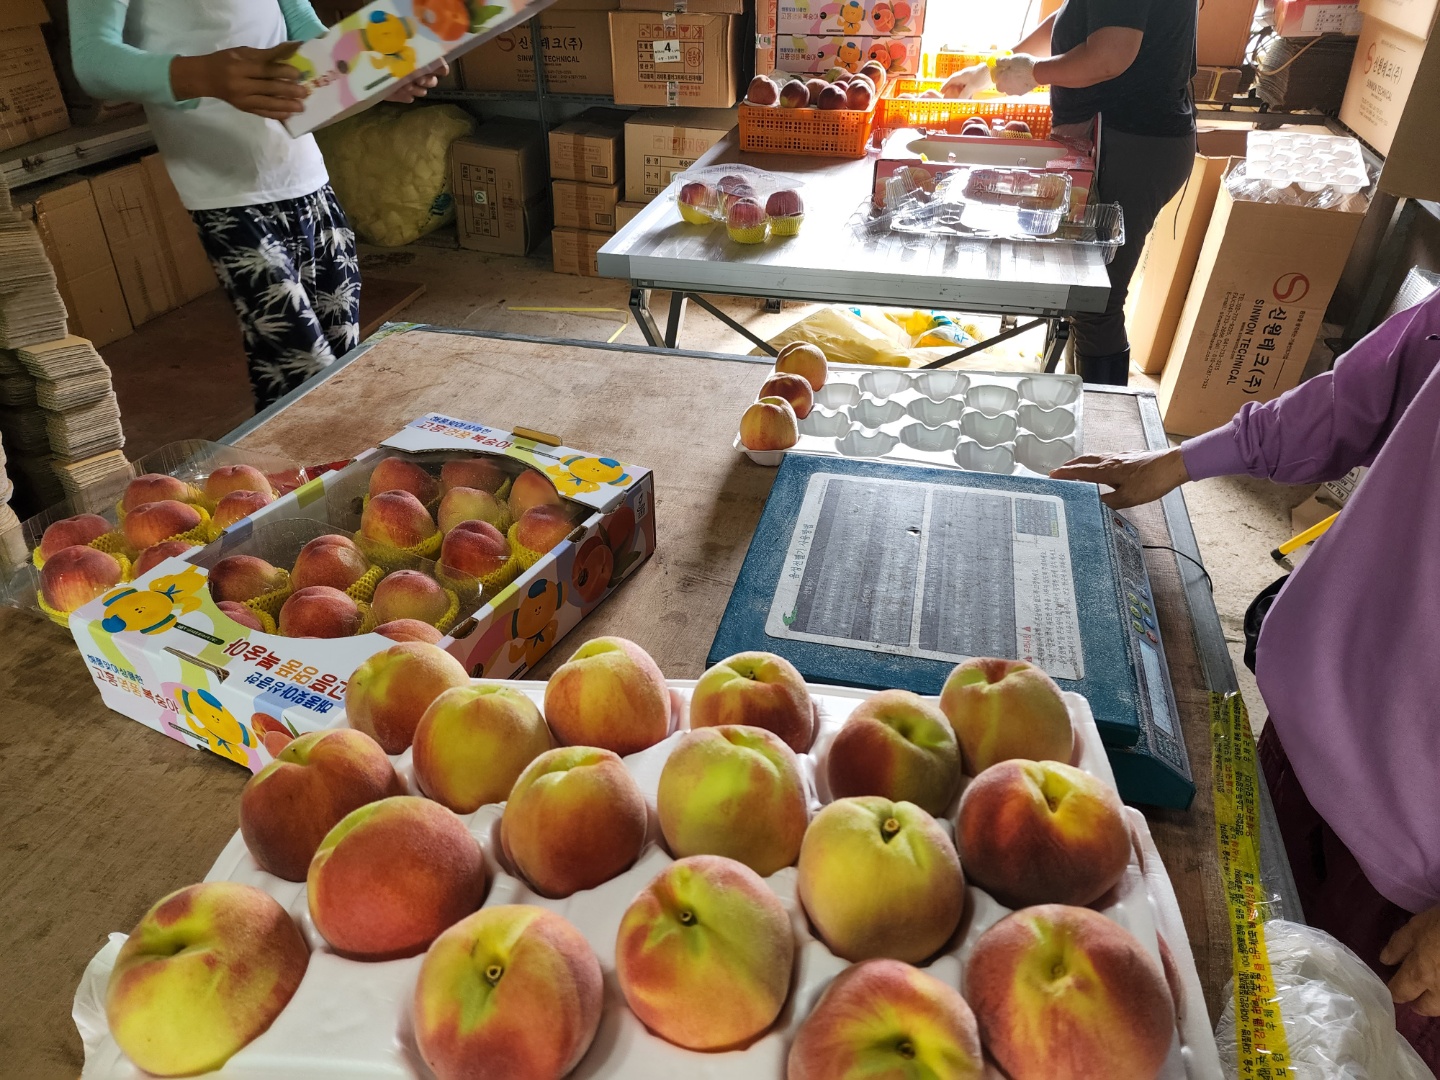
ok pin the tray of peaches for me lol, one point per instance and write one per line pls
(612, 874)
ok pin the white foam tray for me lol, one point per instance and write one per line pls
(352, 1019)
(1315, 162)
(982, 421)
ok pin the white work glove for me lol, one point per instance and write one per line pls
(967, 82)
(1015, 75)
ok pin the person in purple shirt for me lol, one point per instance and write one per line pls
(1348, 659)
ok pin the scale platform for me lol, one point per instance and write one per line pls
(879, 575)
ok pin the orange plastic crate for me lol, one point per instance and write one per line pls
(819, 132)
(948, 115)
(943, 64)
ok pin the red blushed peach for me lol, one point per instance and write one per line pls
(882, 1018)
(332, 560)
(319, 612)
(207, 970)
(397, 474)
(803, 359)
(231, 478)
(736, 792)
(469, 504)
(239, 505)
(154, 487)
(1063, 993)
(474, 549)
(152, 557)
(543, 527)
(610, 694)
(392, 876)
(74, 576)
(410, 630)
(71, 532)
(593, 569)
(480, 473)
(150, 523)
(473, 743)
(880, 878)
(794, 389)
(288, 807)
(769, 424)
(704, 954)
(1002, 709)
(244, 577)
(897, 745)
(761, 690)
(575, 819)
(389, 692)
(396, 518)
(510, 993)
(531, 489)
(409, 594)
(241, 614)
(1039, 832)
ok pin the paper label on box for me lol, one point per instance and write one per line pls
(666, 52)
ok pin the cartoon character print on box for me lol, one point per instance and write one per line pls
(211, 722)
(604, 558)
(153, 609)
(577, 474)
(526, 624)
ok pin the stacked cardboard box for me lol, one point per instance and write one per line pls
(662, 142)
(574, 50)
(497, 176)
(31, 104)
(587, 164)
(676, 52)
(796, 36)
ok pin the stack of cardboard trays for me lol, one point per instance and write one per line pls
(12, 540)
(31, 310)
(82, 417)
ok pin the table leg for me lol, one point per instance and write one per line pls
(763, 345)
(1058, 334)
(676, 319)
(640, 308)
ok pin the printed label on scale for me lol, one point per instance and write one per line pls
(936, 571)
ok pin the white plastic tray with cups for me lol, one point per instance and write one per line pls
(981, 421)
(1314, 162)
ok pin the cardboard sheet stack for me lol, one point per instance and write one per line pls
(12, 541)
(31, 310)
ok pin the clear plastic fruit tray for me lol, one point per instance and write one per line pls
(1315, 162)
(351, 1019)
(982, 421)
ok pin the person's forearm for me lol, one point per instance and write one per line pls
(1037, 43)
(301, 22)
(1107, 53)
(105, 66)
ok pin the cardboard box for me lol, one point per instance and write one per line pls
(584, 206)
(1311, 18)
(1264, 278)
(854, 18)
(131, 216)
(589, 148)
(31, 104)
(797, 53)
(498, 178)
(1173, 249)
(574, 46)
(1223, 32)
(362, 58)
(675, 59)
(69, 226)
(194, 275)
(574, 251)
(1414, 17)
(625, 213)
(138, 639)
(1390, 103)
(661, 142)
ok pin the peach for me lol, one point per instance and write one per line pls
(393, 875)
(897, 745)
(696, 200)
(876, 73)
(609, 694)
(574, 820)
(759, 689)
(1063, 993)
(803, 359)
(396, 518)
(512, 992)
(833, 97)
(230, 478)
(762, 91)
(244, 577)
(319, 612)
(410, 630)
(769, 424)
(542, 528)
(1002, 709)
(207, 970)
(745, 221)
(241, 614)
(704, 954)
(150, 523)
(1040, 832)
(474, 549)
(239, 505)
(882, 1018)
(736, 792)
(479, 473)
(397, 474)
(409, 594)
(880, 878)
(531, 489)
(154, 487)
(74, 576)
(469, 504)
(152, 557)
(473, 743)
(815, 85)
(72, 531)
(859, 95)
(794, 95)
(332, 560)
(288, 807)
(390, 691)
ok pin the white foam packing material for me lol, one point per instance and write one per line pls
(352, 1019)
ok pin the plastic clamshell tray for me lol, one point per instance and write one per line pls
(982, 421)
(350, 1018)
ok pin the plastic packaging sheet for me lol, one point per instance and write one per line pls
(1245, 187)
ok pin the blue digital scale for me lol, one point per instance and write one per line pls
(878, 575)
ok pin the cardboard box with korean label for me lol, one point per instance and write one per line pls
(363, 58)
(31, 104)
(818, 53)
(573, 251)
(574, 47)
(162, 653)
(662, 142)
(498, 178)
(1390, 103)
(590, 148)
(1264, 278)
(1414, 17)
(855, 18)
(669, 59)
(584, 206)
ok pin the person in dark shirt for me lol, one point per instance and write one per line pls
(1129, 62)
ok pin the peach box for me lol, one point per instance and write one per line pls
(818, 53)
(864, 18)
(163, 654)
